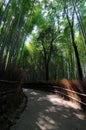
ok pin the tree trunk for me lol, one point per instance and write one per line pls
(47, 72)
(71, 25)
(78, 60)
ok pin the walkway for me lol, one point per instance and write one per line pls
(47, 111)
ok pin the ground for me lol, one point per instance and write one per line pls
(47, 111)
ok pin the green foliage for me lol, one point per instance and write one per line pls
(51, 38)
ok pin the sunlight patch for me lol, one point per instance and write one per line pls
(80, 116)
(25, 90)
(45, 122)
(56, 100)
(34, 93)
(51, 109)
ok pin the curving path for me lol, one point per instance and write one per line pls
(47, 111)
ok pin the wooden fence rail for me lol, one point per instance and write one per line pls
(82, 94)
(10, 89)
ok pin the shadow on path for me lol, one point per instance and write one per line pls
(47, 111)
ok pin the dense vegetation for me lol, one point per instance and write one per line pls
(45, 39)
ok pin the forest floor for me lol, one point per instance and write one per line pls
(47, 111)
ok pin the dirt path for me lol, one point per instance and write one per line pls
(46, 111)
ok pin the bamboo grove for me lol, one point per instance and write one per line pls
(44, 38)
